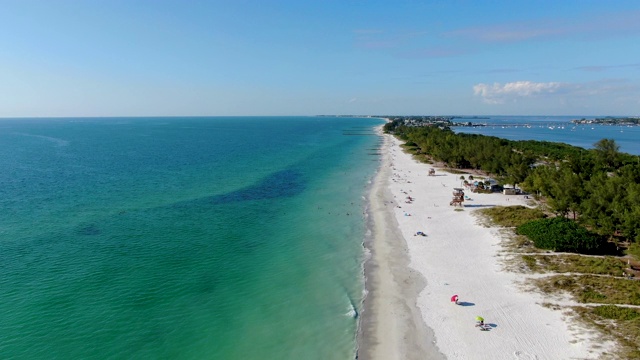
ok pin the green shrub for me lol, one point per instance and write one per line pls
(616, 313)
(634, 250)
(563, 235)
(588, 296)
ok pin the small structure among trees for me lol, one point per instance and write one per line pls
(458, 197)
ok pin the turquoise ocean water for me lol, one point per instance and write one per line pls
(556, 129)
(183, 238)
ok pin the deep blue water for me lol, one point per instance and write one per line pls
(556, 129)
(186, 238)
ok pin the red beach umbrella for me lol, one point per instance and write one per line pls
(454, 298)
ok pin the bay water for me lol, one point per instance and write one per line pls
(183, 238)
(554, 129)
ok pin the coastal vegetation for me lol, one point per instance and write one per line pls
(601, 285)
(598, 188)
(513, 216)
(561, 234)
(588, 216)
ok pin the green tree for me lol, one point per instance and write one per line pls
(607, 153)
(566, 192)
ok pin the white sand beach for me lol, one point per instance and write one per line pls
(411, 279)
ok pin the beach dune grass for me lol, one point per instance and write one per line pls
(593, 288)
(626, 330)
(569, 263)
(531, 262)
(616, 313)
(512, 216)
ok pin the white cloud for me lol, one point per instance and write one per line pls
(499, 93)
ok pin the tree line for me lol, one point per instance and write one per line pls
(599, 188)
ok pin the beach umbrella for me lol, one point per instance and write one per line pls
(454, 298)
(479, 318)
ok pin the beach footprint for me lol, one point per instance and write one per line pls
(521, 355)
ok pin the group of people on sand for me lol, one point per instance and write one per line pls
(479, 319)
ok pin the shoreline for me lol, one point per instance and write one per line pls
(410, 279)
(390, 326)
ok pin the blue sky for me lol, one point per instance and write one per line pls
(246, 57)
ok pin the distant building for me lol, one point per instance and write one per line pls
(510, 190)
